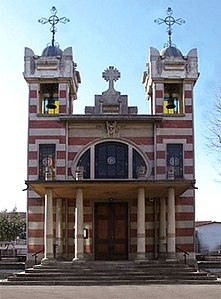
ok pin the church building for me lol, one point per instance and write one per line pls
(110, 184)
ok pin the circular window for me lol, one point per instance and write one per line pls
(111, 160)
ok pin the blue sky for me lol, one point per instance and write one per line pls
(104, 33)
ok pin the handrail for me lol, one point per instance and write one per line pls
(185, 253)
(35, 254)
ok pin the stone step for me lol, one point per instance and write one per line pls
(113, 273)
(104, 267)
(126, 270)
(216, 257)
(211, 264)
(12, 265)
(98, 273)
(113, 282)
(109, 267)
(108, 278)
(86, 282)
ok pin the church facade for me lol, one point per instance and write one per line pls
(110, 184)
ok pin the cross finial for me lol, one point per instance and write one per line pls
(169, 21)
(53, 20)
(111, 74)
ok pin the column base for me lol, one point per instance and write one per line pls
(48, 261)
(171, 257)
(162, 256)
(78, 260)
(141, 257)
(60, 258)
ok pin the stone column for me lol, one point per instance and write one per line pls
(141, 250)
(59, 229)
(171, 229)
(79, 234)
(163, 241)
(48, 228)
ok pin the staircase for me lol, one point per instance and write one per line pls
(8, 267)
(210, 263)
(110, 273)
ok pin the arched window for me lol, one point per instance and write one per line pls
(139, 165)
(84, 162)
(111, 160)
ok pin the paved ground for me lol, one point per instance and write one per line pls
(112, 292)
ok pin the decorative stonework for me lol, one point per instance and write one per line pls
(141, 172)
(159, 66)
(110, 75)
(188, 66)
(111, 102)
(62, 65)
(32, 65)
(111, 128)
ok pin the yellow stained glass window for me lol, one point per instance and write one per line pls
(49, 100)
(46, 109)
(172, 103)
(173, 110)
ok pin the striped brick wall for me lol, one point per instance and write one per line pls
(175, 129)
(43, 129)
(178, 129)
(72, 140)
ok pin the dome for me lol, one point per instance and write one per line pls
(52, 51)
(171, 52)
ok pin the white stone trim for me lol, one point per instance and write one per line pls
(36, 225)
(184, 240)
(184, 224)
(36, 241)
(175, 131)
(184, 209)
(33, 194)
(47, 132)
(188, 193)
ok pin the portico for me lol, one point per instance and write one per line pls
(136, 195)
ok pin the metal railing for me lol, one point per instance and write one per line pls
(36, 255)
(185, 253)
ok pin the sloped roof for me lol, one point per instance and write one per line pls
(201, 223)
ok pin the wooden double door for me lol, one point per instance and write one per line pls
(111, 231)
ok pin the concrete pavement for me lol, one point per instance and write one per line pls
(112, 292)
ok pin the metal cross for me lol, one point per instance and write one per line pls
(169, 21)
(53, 20)
(111, 74)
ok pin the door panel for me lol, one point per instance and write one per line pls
(111, 231)
(102, 228)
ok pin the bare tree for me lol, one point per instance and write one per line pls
(214, 133)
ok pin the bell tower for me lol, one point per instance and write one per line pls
(52, 76)
(169, 81)
(169, 85)
(170, 75)
(53, 84)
